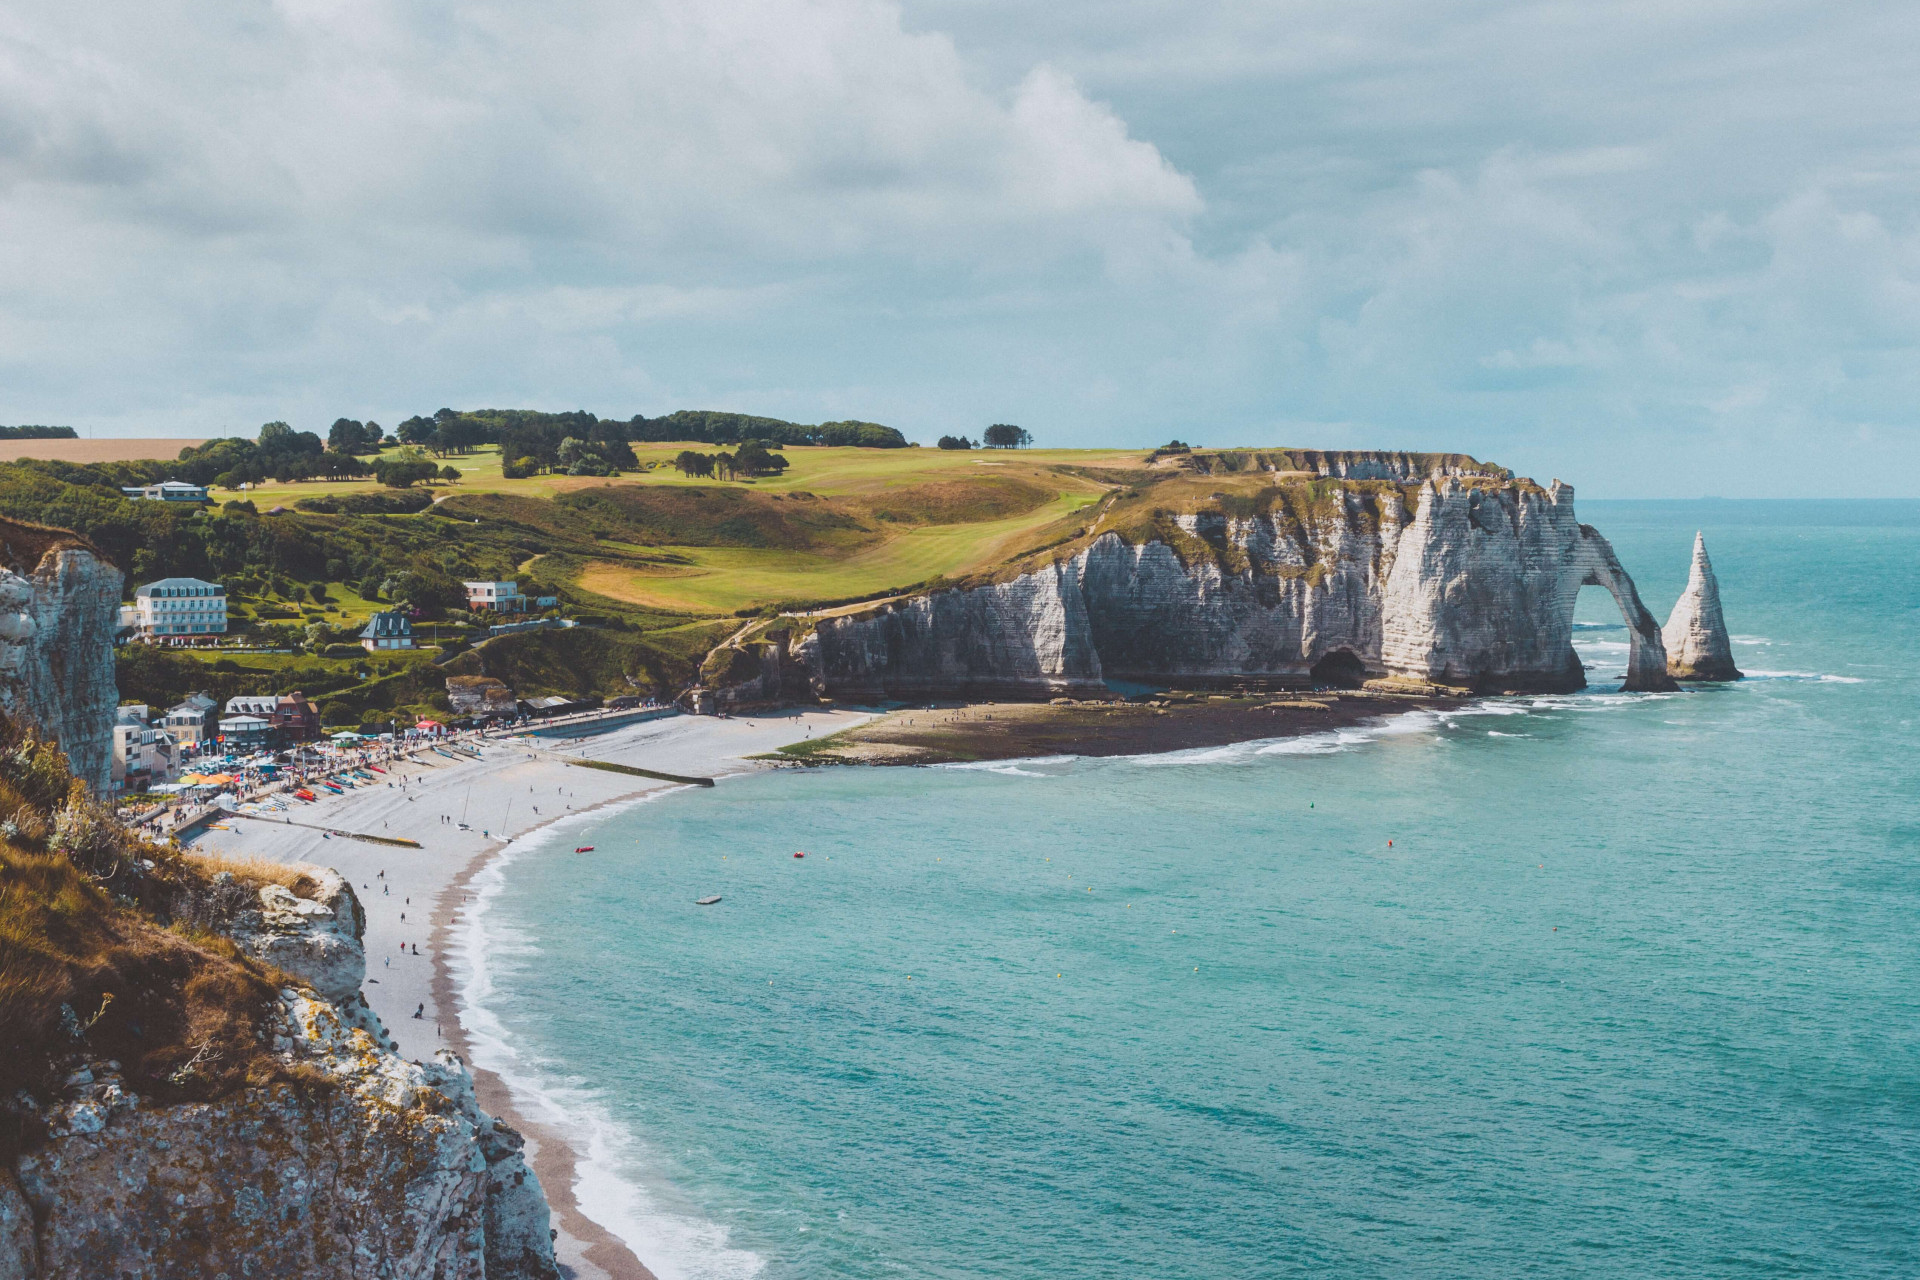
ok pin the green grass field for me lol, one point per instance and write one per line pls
(917, 514)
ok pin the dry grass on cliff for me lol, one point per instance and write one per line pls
(257, 872)
(88, 970)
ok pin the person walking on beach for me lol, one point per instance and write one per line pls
(421, 1012)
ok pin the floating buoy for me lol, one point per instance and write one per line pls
(1389, 844)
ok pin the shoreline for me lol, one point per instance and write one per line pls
(975, 733)
(445, 870)
(516, 787)
(549, 1153)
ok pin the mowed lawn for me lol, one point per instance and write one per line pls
(726, 579)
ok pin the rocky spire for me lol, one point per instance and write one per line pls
(1696, 633)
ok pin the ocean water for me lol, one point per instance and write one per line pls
(1595, 985)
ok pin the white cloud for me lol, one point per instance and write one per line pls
(1576, 239)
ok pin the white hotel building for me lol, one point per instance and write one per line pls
(179, 608)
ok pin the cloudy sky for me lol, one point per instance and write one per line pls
(1660, 249)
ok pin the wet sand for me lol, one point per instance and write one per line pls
(1024, 730)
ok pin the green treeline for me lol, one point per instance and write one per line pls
(38, 433)
(579, 443)
(530, 442)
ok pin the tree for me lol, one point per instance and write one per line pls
(955, 442)
(346, 436)
(450, 474)
(416, 430)
(454, 434)
(404, 471)
(1004, 435)
(340, 464)
(754, 459)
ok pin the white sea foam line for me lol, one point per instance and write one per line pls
(673, 1246)
(1749, 639)
(1816, 676)
(1324, 743)
(1011, 767)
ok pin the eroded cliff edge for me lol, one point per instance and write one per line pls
(1464, 576)
(59, 610)
(193, 1085)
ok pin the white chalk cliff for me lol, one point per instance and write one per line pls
(1698, 647)
(59, 610)
(1458, 580)
(377, 1167)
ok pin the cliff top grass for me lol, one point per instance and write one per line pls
(106, 953)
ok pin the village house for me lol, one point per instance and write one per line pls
(387, 631)
(175, 609)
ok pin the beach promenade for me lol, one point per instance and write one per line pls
(412, 896)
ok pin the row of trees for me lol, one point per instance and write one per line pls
(753, 458)
(578, 443)
(1001, 435)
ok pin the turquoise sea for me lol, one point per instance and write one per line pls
(1633, 991)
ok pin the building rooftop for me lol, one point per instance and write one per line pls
(387, 625)
(175, 584)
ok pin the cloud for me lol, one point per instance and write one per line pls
(1653, 248)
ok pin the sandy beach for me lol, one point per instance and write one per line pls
(413, 896)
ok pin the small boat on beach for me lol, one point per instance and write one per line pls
(706, 902)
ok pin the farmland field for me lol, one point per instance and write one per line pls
(94, 450)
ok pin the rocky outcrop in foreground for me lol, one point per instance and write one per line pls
(59, 612)
(1698, 647)
(365, 1165)
(1453, 581)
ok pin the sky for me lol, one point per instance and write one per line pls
(1654, 249)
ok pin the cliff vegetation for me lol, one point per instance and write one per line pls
(105, 952)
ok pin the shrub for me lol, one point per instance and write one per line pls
(342, 651)
(405, 503)
(955, 442)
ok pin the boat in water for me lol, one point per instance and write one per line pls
(706, 902)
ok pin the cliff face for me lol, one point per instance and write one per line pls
(1461, 582)
(1482, 592)
(59, 610)
(1698, 647)
(368, 1166)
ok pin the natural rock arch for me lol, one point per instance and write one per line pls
(1647, 652)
